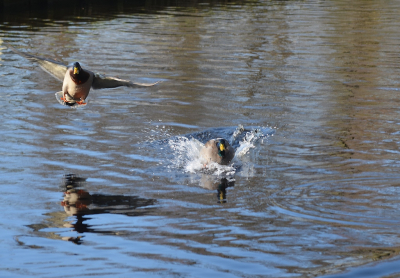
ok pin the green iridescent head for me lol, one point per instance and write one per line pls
(77, 68)
(221, 145)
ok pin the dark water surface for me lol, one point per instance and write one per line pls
(307, 91)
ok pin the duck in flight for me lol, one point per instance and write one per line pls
(77, 81)
(217, 150)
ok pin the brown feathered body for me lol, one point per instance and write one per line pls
(77, 86)
(211, 152)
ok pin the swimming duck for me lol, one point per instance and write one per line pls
(217, 150)
(77, 81)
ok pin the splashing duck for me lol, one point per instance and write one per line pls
(217, 150)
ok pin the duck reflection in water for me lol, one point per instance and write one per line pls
(220, 184)
(79, 203)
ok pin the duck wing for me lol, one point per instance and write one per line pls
(52, 67)
(101, 82)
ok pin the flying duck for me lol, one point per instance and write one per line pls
(217, 150)
(76, 80)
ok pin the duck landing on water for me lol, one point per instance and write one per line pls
(77, 81)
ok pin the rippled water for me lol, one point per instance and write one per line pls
(306, 91)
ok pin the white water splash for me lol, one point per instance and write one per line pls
(187, 156)
(186, 152)
(248, 141)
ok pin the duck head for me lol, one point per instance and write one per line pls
(221, 145)
(76, 68)
(77, 74)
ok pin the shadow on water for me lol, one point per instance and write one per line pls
(91, 10)
(79, 205)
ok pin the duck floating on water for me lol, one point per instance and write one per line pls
(77, 81)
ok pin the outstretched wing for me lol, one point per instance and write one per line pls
(58, 70)
(54, 68)
(102, 82)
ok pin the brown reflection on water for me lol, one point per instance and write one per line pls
(80, 204)
(219, 185)
(364, 111)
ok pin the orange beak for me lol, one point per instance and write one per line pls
(76, 70)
